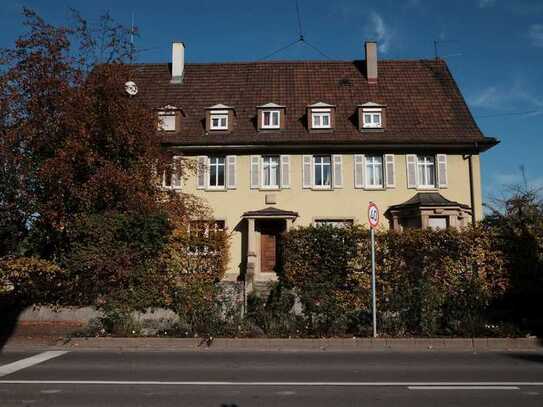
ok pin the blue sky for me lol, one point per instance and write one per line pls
(493, 47)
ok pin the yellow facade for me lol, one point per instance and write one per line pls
(347, 202)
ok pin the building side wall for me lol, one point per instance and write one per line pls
(345, 203)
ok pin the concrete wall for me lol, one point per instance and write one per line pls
(346, 202)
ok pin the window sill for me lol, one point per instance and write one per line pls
(218, 189)
(321, 188)
(268, 189)
(427, 188)
(376, 188)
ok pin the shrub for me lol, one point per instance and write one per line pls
(31, 280)
(428, 282)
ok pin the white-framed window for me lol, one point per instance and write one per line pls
(374, 171)
(438, 222)
(426, 171)
(166, 120)
(203, 235)
(271, 172)
(216, 172)
(337, 223)
(321, 118)
(372, 118)
(171, 178)
(218, 120)
(271, 119)
(322, 171)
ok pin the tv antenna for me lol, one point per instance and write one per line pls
(301, 38)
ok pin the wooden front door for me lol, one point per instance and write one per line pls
(270, 233)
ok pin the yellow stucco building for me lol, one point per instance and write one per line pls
(283, 144)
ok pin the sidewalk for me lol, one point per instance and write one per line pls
(288, 345)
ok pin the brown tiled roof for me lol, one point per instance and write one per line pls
(423, 102)
(431, 199)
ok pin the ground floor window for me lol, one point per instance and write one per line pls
(438, 222)
(203, 234)
(339, 223)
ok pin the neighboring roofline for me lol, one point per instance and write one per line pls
(464, 148)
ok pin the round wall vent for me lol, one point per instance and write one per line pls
(131, 88)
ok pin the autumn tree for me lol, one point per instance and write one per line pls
(80, 159)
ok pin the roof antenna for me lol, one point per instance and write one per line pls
(436, 49)
(300, 29)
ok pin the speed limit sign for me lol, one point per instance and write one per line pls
(373, 215)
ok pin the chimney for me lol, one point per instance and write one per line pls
(371, 61)
(178, 62)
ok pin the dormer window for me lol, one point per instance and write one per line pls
(270, 116)
(271, 119)
(321, 116)
(168, 118)
(371, 116)
(219, 118)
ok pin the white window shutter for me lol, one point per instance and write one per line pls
(307, 171)
(201, 172)
(285, 171)
(255, 171)
(442, 170)
(337, 178)
(358, 166)
(411, 170)
(176, 175)
(231, 171)
(390, 171)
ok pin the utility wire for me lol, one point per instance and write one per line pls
(316, 49)
(279, 50)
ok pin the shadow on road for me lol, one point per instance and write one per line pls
(9, 311)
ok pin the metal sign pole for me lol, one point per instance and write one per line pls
(374, 307)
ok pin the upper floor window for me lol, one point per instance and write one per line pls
(320, 118)
(218, 120)
(374, 171)
(372, 118)
(271, 119)
(426, 171)
(167, 118)
(322, 167)
(219, 117)
(216, 172)
(270, 171)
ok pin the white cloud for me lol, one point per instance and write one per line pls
(379, 31)
(536, 35)
(507, 99)
(487, 3)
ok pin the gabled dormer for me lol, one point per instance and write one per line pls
(219, 118)
(371, 116)
(270, 116)
(320, 116)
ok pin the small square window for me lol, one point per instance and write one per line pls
(166, 121)
(320, 119)
(372, 119)
(219, 121)
(271, 119)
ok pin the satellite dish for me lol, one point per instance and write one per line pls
(131, 88)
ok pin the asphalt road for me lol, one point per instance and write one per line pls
(100, 378)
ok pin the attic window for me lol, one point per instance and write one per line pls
(218, 120)
(271, 119)
(167, 120)
(372, 118)
(321, 118)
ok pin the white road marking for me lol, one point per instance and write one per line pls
(282, 384)
(30, 361)
(463, 388)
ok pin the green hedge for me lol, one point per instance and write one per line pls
(428, 282)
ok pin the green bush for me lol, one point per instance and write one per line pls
(428, 282)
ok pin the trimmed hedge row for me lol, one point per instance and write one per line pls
(428, 282)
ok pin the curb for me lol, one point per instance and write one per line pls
(276, 344)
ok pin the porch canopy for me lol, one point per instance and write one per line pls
(270, 213)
